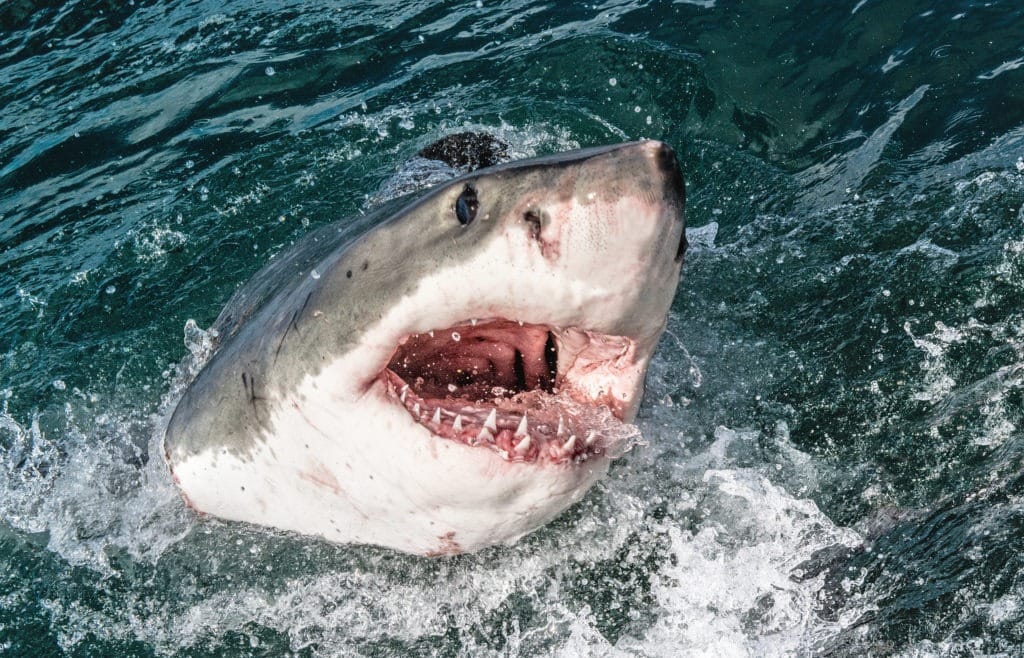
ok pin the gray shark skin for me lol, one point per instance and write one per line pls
(455, 376)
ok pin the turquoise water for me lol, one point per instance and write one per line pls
(834, 460)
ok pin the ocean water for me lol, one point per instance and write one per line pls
(834, 458)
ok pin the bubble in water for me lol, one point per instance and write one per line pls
(189, 164)
(269, 70)
(59, 384)
(613, 81)
(111, 290)
(198, 341)
(314, 274)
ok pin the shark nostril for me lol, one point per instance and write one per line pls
(536, 223)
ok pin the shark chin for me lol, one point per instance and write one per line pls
(454, 376)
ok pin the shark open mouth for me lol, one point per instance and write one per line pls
(529, 392)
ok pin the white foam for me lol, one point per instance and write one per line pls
(988, 394)
(87, 489)
(729, 592)
(702, 237)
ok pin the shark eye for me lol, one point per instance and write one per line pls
(466, 206)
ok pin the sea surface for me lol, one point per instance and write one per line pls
(834, 458)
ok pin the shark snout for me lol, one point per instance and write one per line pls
(665, 158)
(667, 166)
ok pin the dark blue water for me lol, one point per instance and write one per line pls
(835, 458)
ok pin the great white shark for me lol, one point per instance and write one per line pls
(456, 376)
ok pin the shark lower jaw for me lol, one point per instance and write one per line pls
(531, 393)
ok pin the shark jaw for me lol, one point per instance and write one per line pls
(456, 377)
(529, 393)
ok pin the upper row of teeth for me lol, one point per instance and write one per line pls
(490, 428)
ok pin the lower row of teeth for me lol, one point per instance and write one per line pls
(561, 446)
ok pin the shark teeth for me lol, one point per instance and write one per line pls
(508, 430)
(492, 421)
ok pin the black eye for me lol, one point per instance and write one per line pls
(466, 206)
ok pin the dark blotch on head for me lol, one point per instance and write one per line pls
(348, 275)
(467, 151)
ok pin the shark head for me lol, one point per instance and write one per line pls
(454, 377)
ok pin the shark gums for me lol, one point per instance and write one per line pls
(454, 377)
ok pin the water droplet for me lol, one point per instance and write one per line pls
(456, 336)
(314, 274)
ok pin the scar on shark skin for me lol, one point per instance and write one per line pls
(321, 477)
